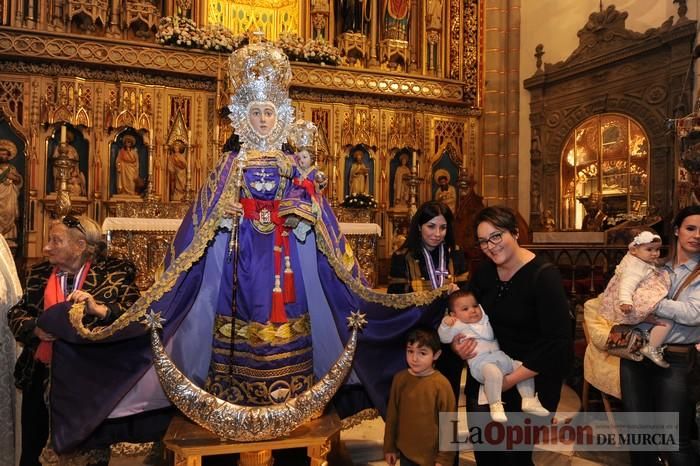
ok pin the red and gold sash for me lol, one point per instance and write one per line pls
(54, 293)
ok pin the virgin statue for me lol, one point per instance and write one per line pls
(270, 297)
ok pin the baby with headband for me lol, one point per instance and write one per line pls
(636, 288)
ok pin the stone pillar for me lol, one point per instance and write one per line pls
(499, 177)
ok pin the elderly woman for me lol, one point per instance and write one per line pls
(647, 387)
(524, 298)
(76, 270)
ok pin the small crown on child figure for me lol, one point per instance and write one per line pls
(302, 135)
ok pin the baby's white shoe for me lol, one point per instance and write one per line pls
(655, 354)
(532, 405)
(498, 414)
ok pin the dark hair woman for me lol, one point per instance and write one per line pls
(428, 260)
(649, 388)
(524, 298)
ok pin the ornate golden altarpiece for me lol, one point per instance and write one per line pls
(643, 76)
(101, 75)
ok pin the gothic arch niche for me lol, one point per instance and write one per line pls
(605, 162)
(613, 71)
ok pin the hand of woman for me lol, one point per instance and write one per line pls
(452, 287)
(464, 347)
(42, 335)
(91, 306)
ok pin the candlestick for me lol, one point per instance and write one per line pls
(63, 133)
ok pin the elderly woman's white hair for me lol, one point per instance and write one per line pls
(82, 227)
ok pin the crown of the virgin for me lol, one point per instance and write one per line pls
(302, 135)
(259, 72)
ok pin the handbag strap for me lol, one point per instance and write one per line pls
(688, 280)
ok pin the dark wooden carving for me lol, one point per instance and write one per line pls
(613, 70)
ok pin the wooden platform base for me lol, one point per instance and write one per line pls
(189, 442)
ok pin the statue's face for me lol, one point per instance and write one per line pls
(304, 159)
(178, 148)
(358, 156)
(262, 117)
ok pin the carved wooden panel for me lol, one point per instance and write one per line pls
(613, 70)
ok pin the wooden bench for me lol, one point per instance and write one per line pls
(189, 442)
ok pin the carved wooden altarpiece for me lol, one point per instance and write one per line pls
(644, 76)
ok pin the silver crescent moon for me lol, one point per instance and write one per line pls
(248, 423)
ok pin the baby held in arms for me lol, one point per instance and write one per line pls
(636, 288)
(490, 364)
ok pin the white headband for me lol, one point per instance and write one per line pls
(644, 237)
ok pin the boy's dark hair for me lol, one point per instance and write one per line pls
(456, 295)
(424, 336)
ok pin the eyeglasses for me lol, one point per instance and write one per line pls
(72, 222)
(494, 238)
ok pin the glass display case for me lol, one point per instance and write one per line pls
(605, 167)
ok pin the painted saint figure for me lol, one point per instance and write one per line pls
(127, 166)
(396, 18)
(359, 174)
(177, 170)
(445, 192)
(10, 184)
(401, 188)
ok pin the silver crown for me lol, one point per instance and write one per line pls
(260, 72)
(302, 135)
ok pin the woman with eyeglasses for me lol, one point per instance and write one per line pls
(524, 297)
(429, 259)
(76, 270)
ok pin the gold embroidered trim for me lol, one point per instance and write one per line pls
(397, 301)
(256, 333)
(358, 418)
(263, 373)
(263, 358)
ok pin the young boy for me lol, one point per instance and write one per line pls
(418, 395)
(490, 363)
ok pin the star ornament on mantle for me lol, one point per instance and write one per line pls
(154, 320)
(357, 320)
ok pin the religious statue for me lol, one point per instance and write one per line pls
(359, 174)
(71, 153)
(177, 170)
(595, 216)
(548, 222)
(10, 185)
(445, 192)
(77, 185)
(354, 14)
(401, 176)
(396, 18)
(240, 298)
(433, 16)
(128, 167)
